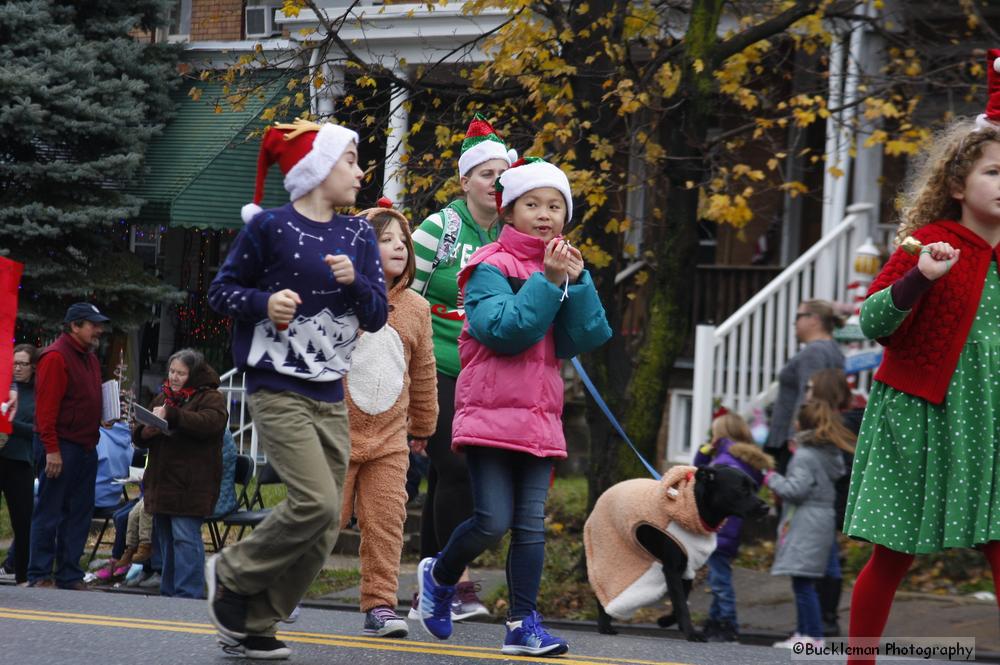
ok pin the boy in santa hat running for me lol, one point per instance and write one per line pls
(299, 283)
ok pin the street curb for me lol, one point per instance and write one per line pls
(762, 638)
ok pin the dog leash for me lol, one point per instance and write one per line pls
(607, 412)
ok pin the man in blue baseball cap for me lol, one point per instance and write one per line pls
(67, 429)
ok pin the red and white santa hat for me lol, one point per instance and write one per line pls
(530, 173)
(991, 118)
(482, 144)
(306, 153)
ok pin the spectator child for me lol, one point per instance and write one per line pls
(830, 386)
(807, 525)
(732, 445)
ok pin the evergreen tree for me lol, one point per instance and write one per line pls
(82, 98)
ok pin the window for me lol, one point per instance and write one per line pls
(144, 242)
(179, 21)
(679, 438)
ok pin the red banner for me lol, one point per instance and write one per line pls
(10, 281)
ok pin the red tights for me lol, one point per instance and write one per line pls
(876, 586)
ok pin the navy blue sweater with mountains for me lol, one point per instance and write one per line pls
(281, 249)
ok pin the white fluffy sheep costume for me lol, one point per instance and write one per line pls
(622, 573)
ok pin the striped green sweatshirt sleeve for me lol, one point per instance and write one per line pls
(441, 288)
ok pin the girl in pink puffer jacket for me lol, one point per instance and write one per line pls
(529, 302)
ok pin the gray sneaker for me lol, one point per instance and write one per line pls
(384, 622)
(151, 582)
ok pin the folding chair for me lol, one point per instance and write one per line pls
(107, 514)
(255, 512)
(241, 478)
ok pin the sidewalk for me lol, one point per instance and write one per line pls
(766, 608)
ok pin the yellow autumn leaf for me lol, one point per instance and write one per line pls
(594, 255)
(668, 78)
(794, 188)
(803, 118)
(878, 136)
(725, 209)
(698, 65)
(901, 147)
(292, 7)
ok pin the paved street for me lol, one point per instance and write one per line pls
(41, 626)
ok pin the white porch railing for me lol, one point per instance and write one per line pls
(738, 360)
(233, 386)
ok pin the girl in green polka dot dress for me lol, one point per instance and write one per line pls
(927, 469)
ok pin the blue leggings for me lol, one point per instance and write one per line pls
(509, 491)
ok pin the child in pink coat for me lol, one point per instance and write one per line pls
(529, 302)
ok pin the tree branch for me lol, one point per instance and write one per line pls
(772, 26)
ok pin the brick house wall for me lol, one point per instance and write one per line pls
(216, 20)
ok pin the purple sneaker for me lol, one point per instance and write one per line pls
(435, 601)
(466, 604)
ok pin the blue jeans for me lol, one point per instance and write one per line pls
(720, 580)
(183, 555)
(61, 521)
(807, 607)
(509, 490)
(833, 565)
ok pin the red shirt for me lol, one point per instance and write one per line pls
(68, 395)
(922, 354)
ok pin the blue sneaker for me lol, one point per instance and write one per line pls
(435, 601)
(531, 639)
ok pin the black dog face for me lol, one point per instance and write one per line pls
(722, 491)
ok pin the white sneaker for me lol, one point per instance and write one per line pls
(798, 638)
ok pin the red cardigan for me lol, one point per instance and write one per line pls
(921, 355)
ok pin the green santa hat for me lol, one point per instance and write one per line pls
(482, 144)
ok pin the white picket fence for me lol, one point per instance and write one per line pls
(737, 361)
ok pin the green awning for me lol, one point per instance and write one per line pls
(200, 170)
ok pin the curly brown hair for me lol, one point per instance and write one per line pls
(928, 194)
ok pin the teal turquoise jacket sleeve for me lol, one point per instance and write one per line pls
(581, 324)
(505, 321)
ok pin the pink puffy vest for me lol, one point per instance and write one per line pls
(501, 401)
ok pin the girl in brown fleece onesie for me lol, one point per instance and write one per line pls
(391, 392)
